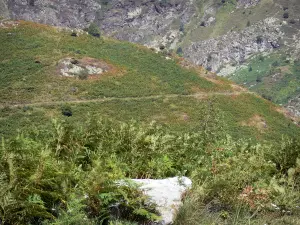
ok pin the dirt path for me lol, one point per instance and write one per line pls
(100, 100)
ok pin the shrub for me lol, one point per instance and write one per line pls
(259, 39)
(181, 28)
(66, 111)
(209, 58)
(179, 51)
(292, 21)
(162, 47)
(258, 79)
(261, 58)
(285, 15)
(275, 64)
(94, 30)
(83, 75)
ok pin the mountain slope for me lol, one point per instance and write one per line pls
(46, 71)
(70, 149)
(223, 36)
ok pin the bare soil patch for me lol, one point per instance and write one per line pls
(256, 121)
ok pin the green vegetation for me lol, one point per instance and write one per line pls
(178, 114)
(274, 77)
(29, 75)
(28, 68)
(67, 142)
(69, 173)
(94, 30)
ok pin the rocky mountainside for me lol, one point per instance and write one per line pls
(221, 35)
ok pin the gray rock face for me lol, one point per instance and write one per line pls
(70, 13)
(247, 3)
(3, 9)
(140, 21)
(293, 106)
(166, 194)
(132, 20)
(156, 23)
(236, 48)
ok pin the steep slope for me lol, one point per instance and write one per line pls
(70, 149)
(220, 35)
(47, 71)
(230, 28)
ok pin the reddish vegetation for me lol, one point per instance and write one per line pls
(254, 198)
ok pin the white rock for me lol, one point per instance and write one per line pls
(134, 13)
(166, 194)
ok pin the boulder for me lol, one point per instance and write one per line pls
(166, 194)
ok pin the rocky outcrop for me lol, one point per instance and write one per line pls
(235, 48)
(157, 23)
(3, 9)
(147, 22)
(166, 194)
(135, 21)
(247, 3)
(293, 106)
(70, 13)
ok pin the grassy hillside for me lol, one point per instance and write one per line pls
(64, 163)
(143, 86)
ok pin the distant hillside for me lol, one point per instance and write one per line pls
(49, 72)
